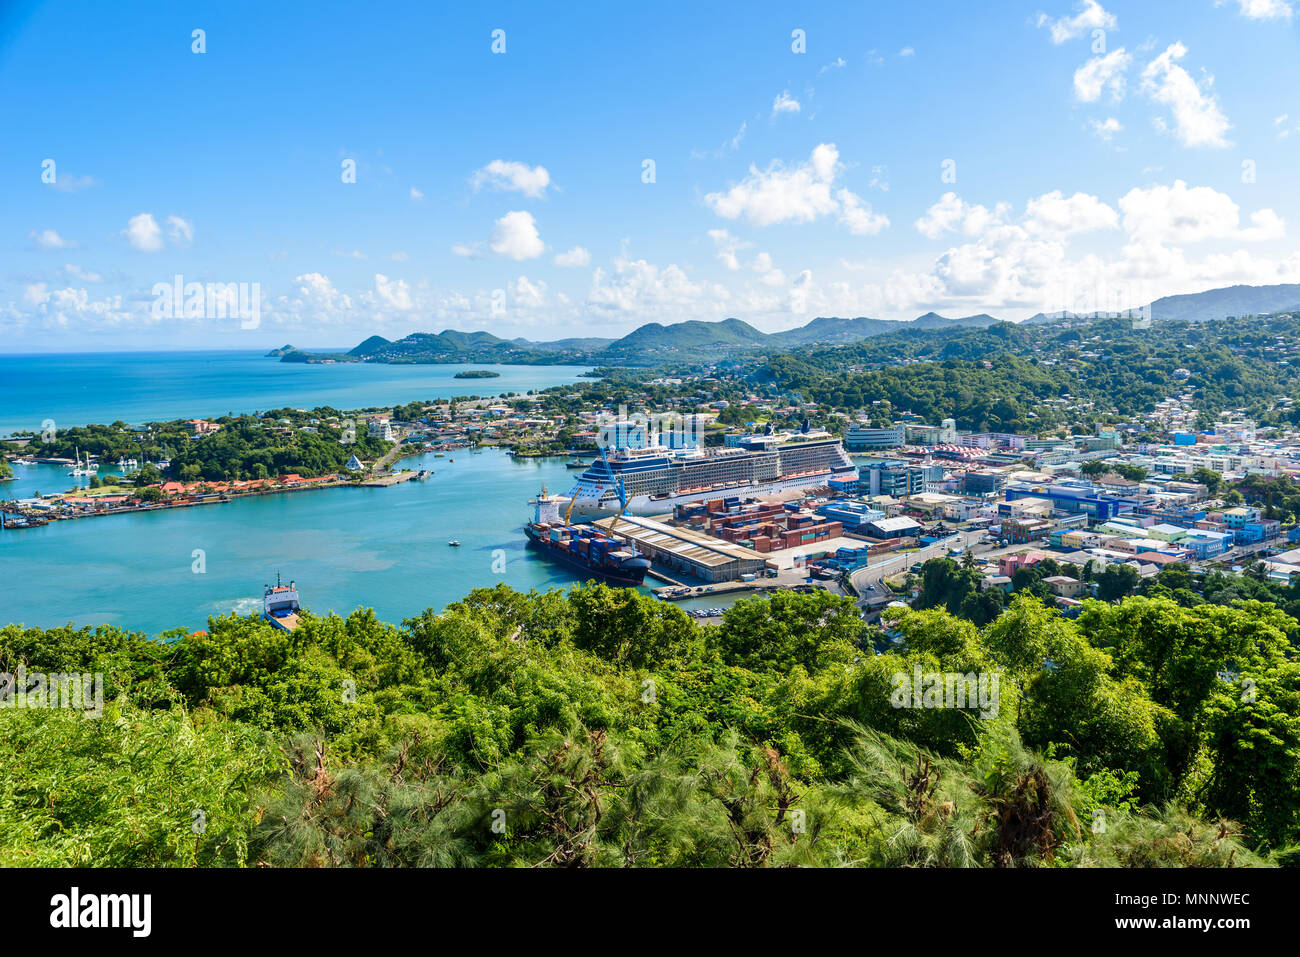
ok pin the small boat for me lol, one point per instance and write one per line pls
(439, 455)
(451, 460)
(454, 543)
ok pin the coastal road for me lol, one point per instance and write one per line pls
(865, 579)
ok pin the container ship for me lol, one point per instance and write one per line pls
(590, 550)
(656, 478)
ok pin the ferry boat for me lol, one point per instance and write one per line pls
(658, 478)
(588, 549)
(280, 605)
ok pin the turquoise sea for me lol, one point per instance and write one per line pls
(385, 548)
(80, 389)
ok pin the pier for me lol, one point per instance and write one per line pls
(392, 478)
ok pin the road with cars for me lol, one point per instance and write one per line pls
(867, 578)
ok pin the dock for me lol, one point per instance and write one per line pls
(392, 478)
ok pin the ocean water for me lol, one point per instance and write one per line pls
(384, 548)
(80, 389)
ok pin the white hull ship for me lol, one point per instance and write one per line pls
(657, 478)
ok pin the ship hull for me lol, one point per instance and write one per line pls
(628, 577)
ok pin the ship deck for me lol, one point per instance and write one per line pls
(288, 622)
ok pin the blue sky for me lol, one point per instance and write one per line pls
(1008, 159)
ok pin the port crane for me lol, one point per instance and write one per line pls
(622, 493)
(618, 484)
(623, 500)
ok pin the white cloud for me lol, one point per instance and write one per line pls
(1179, 214)
(1266, 9)
(518, 177)
(68, 183)
(1056, 214)
(768, 274)
(84, 275)
(577, 256)
(784, 103)
(639, 287)
(1105, 129)
(393, 292)
(857, 215)
(180, 231)
(400, 256)
(49, 239)
(727, 246)
(907, 51)
(143, 233)
(1091, 16)
(468, 250)
(728, 147)
(951, 214)
(528, 295)
(1100, 73)
(516, 236)
(836, 64)
(1198, 121)
(416, 195)
(796, 194)
(319, 294)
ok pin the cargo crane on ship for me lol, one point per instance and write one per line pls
(590, 549)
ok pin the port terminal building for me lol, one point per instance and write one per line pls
(700, 556)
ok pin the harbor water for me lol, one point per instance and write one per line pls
(384, 548)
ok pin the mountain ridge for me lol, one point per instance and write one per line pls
(701, 339)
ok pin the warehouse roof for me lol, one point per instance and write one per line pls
(682, 542)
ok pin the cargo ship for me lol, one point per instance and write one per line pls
(657, 478)
(280, 605)
(586, 548)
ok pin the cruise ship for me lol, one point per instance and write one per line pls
(658, 478)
